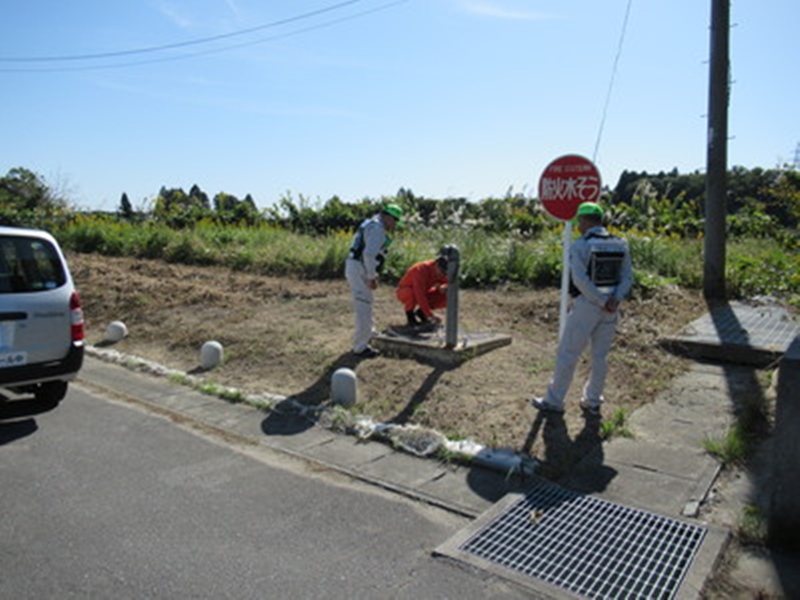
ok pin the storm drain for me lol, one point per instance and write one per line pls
(588, 546)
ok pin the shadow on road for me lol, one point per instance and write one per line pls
(16, 417)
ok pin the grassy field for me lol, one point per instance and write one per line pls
(755, 266)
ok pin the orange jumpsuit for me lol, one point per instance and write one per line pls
(423, 286)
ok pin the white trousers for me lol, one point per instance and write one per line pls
(587, 324)
(363, 301)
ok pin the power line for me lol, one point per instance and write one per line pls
(227, 48)
(611, 82)
(152, 49)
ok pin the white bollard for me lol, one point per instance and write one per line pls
(115, 331)
(344, 386)
(210, 355)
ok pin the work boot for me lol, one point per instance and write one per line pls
(411, 318)
(421, 315)
(368, 352)
(542, 405)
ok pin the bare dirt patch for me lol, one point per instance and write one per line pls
(286, 336)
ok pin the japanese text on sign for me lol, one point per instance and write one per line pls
(583, 187)
(567, 182)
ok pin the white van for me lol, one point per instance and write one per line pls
(41, 321)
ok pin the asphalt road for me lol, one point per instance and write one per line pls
(105, 500)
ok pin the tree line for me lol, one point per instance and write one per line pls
(760, 203)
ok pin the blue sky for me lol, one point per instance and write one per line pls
(316, 98)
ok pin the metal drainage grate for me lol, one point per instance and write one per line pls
(589, 546)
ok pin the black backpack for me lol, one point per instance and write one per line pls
(604, 268)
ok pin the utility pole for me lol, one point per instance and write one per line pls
(716, 161)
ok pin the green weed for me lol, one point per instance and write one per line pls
(616, 425)
(178, 377)
(752, 526)
(731, 448)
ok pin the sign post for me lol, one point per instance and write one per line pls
(566, 183)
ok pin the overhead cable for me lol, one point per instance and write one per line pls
(118, 65)
(611, 82)
(151, 49)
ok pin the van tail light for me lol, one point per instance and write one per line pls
(76, 316)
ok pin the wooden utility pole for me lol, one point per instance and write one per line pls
(716, 161)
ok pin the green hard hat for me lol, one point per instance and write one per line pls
(394, 210)
(590, 208)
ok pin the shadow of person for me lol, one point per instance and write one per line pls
(588, 438)
(588, 474)
(295, 413)
(419, 396)
(559, 452)
(492, 484)
(572, 462)
(558, 447)
(527, 446)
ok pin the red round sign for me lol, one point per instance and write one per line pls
(567, 182)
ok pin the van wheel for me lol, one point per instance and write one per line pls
(51, 392)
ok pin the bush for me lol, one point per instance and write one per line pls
(500, 240)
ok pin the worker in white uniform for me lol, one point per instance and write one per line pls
(364, 262)
(601, 276)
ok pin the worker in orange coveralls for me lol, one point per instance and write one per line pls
(423, 289)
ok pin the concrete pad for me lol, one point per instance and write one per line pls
(172, 397)
(346, 452)
(634, 486)
(679, 432)
(458, 492)
(698, 406)
(299, 442)
(696, 469)
(660, 424)
(432, 345)
(244, 420)
(675, 461)
(472, 490)
(196, 405)
(756, 334)
(152, 389)
(403, 470)
(704, 563)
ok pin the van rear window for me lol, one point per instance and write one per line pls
(29, 264)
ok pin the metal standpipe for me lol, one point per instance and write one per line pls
(453, 264)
